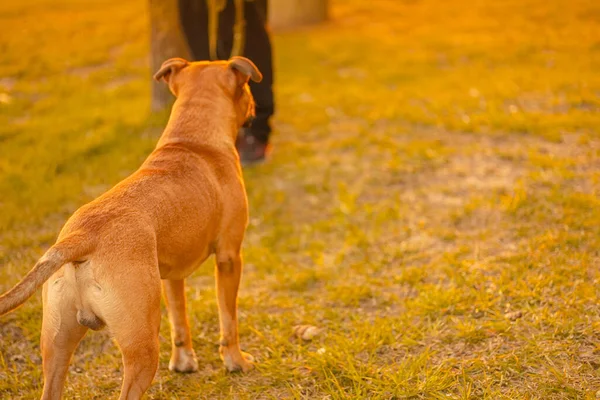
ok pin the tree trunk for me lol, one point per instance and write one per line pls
(166, 41)
(285, 14)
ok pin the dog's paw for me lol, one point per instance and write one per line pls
(183, 360)
(243, 362)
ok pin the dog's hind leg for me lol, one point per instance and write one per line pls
(228, 275)
(131, 312)
(60, 336)
(140, 358)
(183, 358)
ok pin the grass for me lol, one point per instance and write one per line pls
(432, 201)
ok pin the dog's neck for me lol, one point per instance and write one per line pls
(201, 122)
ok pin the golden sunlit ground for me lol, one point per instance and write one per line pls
(432, 201)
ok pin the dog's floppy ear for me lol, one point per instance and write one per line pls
(244, 69)
(169, 67)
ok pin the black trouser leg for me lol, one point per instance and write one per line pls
(193, 15)
(194, 19)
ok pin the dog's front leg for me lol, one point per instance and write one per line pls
(183, 358)
(228, 274)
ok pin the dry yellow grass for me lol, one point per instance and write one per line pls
(431, 204)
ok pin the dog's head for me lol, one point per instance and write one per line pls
(200, 78)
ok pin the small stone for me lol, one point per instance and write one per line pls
(304, 370)
(306, 332)
(514, 315)
(18, 358)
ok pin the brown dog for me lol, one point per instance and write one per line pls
(186, 202)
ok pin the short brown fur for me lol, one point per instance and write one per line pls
(186, 202)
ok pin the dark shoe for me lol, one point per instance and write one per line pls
(251, 150)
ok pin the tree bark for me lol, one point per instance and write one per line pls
(166, 41)
(286, 14)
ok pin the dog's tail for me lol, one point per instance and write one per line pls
(70, 248)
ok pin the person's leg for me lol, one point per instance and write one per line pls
(253, 140)
(258, 49)
(193, 15)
